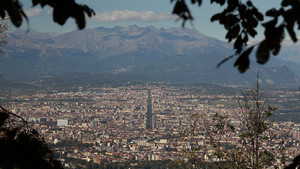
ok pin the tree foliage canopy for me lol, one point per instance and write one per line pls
(62, 10)
(241, 18)
(21, 146)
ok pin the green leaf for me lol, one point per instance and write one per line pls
(285, 3)
(238, 42)
(80, 20)
(216, 17)
(276, 49)
(249, 3)
(90, 12)
(35, 2)
(298, 22)
(272, 12)
(230, 20)
(263, 52)
(179, 8)
(251, 20)
(257, 14)
(14, 9)
(243, 60)
(221, 2)
(59, 16)
(290, 29)
(233, 32)
(252, 32)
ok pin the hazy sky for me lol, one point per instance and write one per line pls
(111, 13)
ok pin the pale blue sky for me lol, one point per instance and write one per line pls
(111, 13)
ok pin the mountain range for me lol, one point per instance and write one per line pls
(139, 53)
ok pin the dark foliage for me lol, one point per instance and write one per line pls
(22, 147)
(62, 10)
(295, 164)
(240, 19)
(182, 10)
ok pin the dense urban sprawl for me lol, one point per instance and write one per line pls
(115, 120)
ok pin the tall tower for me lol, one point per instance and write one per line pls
(149, 111)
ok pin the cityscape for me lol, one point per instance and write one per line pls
(119, 85)
(142, 122)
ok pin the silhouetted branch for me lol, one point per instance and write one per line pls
(295, 164)
(8, 112)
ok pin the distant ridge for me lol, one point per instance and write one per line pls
(174, 54)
